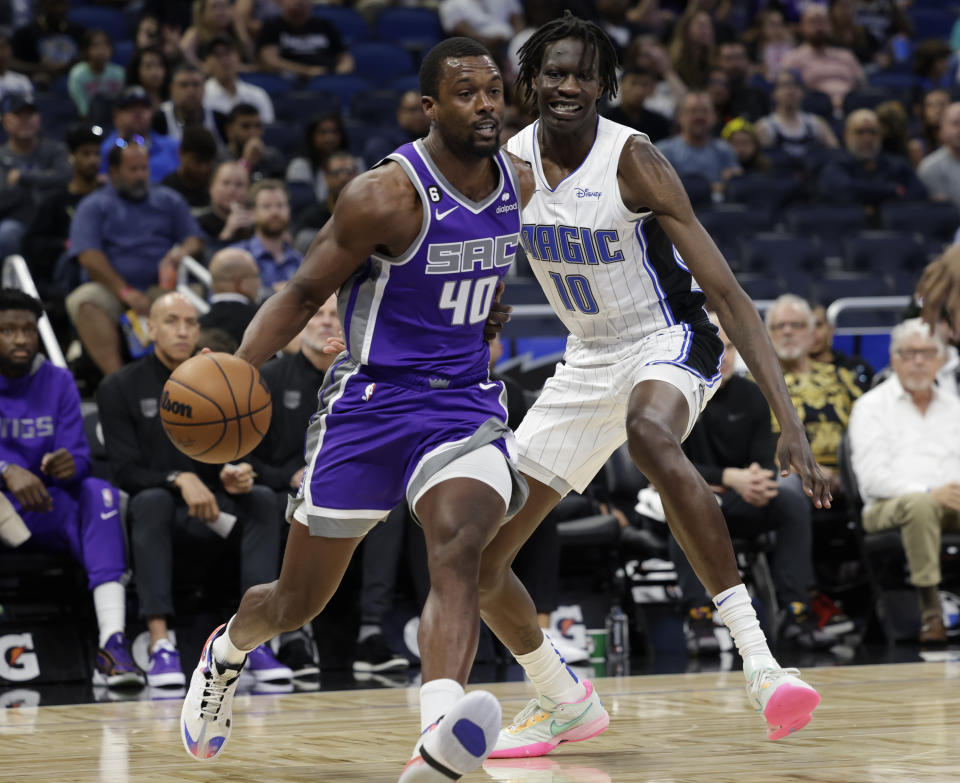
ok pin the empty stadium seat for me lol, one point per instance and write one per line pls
(122, 51)
(271, 82)
(374, 106)
(828, 223)
(765, 193)
(730, 223)
(111, 21)
(300, 106)
(380, 62)
(818, 102)
(286, 137)
(698, 189)
(930, 219)
(415, 29)
(792, 259)
(866, 98)
(883, 251)
(350, 24)
(342, 84)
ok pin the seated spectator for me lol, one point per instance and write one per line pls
(830, 69)
(636, 86)
(48, 46)
(321, 138)
(223, 90)
(172, 494)
(692, 47)
(227, 220)
(693, 150)
(926, 137)
(800, 136)
(340, 168)
(148, 69)
(95, 75)
(893, 128)
(940, 170)
(233, 300)
(11, 81)
(214, 19)
(156, 30)
(45, 243)
(865, 175)
(297, 43)
(822, 350)
(493, 24)
(125, 235)
(905, 448)
(745, 99)
(269, 246)
(823, 394)
(412, 124)
(742, 137)
(131, 119)
(250, 14)
(31, 167)
(645, 51)
(732, 447)
(198, 151)
(771, 40)
(244, 131)
(853, 36)
(185, 109)
(45, 474)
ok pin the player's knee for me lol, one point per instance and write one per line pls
(651, 442)
(459, 550)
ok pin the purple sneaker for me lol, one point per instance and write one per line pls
(262, 665)
(165, 666)
(115, 666)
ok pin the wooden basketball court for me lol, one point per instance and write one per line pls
(891, 723)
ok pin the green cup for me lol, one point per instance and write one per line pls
(597, 644)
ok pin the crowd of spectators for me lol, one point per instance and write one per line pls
(136, 135)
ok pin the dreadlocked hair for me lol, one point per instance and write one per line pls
(567, 26)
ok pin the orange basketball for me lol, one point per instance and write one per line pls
(215, 407)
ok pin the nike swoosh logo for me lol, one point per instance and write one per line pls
(559, 728)
(441, 215)
(489, 385)
(108, 514)
(721, 603)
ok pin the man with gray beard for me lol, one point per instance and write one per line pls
(905, 446)
(128, 236)
(822, 393)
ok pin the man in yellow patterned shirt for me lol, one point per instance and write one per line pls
(822, 393)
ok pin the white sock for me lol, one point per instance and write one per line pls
(436, 697)
(110, 603)
(225, 651)
(550, 674)
(736, 611)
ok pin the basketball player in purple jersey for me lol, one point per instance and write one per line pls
(613, 240)
(416, 248)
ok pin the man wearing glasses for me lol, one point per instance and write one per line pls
(905, 444)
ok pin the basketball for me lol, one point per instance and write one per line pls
(215, 407)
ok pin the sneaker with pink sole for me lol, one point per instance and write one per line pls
(543, 724)
(786, 702)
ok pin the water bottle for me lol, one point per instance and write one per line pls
(618, 633)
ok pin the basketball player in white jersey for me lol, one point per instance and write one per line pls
(613, 240)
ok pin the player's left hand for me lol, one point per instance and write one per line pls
(335, 345)
(237, 479)
(499, 315)
(793, 453)
(59, 464)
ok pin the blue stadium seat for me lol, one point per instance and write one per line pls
(828, 223)
(301, 105)
(350, 24)
(404, 83)
(866, 98)
(761, 286)
(343, 85)
(110, 20)
(892, 79)
(883, 252)
(416, 29)
(932, 220)
(271, 82)
(765, 193)
(302, 195)
(359, 133)
(286, 137)
(698, 189)
(375, 106)
(836, 285)
(56, 112)
(122, 51)
(818, 103)
(728, 224)
(380, 62)
(793, 259)
(932, 22)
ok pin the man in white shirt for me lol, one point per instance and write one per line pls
(905, 443)
(223, 90)
(940, 170)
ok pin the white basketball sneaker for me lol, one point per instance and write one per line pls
(456, 744)
(786, 701)
(205, 719)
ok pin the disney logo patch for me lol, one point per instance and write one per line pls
(586, 193)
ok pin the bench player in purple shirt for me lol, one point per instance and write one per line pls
(45, 475)
(416, 249)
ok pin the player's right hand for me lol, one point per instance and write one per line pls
(201, 502)
(793, 453)
(335, 345)
(27, 488)
(499, 315)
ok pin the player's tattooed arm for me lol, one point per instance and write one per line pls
(648, 181)
(378, 211)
